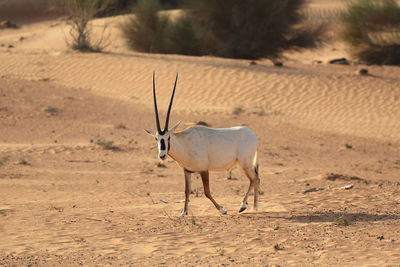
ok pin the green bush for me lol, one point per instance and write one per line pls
(372, 28)
(118, 7)
(183, 38)
(145, 32)
(248, 29)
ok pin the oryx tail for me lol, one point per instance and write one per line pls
(255, 163)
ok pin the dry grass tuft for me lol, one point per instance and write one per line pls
(237, 111)
(121, 126)
(341, 221)
(108, 145)
(23, 162)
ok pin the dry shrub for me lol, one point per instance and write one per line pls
(80, 14)
(372, 28)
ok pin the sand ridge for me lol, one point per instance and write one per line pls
(309, 95)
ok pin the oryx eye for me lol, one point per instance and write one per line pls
(156, 138)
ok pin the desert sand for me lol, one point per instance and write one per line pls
(80, 182)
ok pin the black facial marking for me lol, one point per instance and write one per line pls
(169, 143)
(162, 144)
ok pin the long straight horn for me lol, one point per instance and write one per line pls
(170, 104)
(155, 107)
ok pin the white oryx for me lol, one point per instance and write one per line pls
(202, 149)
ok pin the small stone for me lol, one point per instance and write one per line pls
(349, 186)
(278, 247)
(51, 110)
(348, 146)
(317, 62)
(362, 72)
(340, 61)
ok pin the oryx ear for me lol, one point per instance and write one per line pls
(151, 132)
(174, 128)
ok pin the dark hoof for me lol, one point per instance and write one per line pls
(242, 209)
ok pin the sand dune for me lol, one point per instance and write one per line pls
(67, 199)
(310, 96)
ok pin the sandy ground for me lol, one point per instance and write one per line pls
(329, 155)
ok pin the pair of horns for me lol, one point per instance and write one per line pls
(169, 107)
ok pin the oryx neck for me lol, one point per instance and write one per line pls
(176, 150)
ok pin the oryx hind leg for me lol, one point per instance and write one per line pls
(256, 185)
(206, 184)
(243, 205)
(252, 174)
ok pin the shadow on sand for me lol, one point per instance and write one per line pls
(326, 217)
(353, 217)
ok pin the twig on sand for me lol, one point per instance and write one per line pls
(172, 202)
(312, 190)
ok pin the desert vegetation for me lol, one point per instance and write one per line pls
(145, 32)
(80, 13)
(118, 7)
(372, 28)
(222, 28)
(18, 11)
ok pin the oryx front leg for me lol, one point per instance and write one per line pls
(206, 184)
(187, 193)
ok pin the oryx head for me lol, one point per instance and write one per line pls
(163, 137)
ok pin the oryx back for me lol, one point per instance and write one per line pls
(217, 149)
